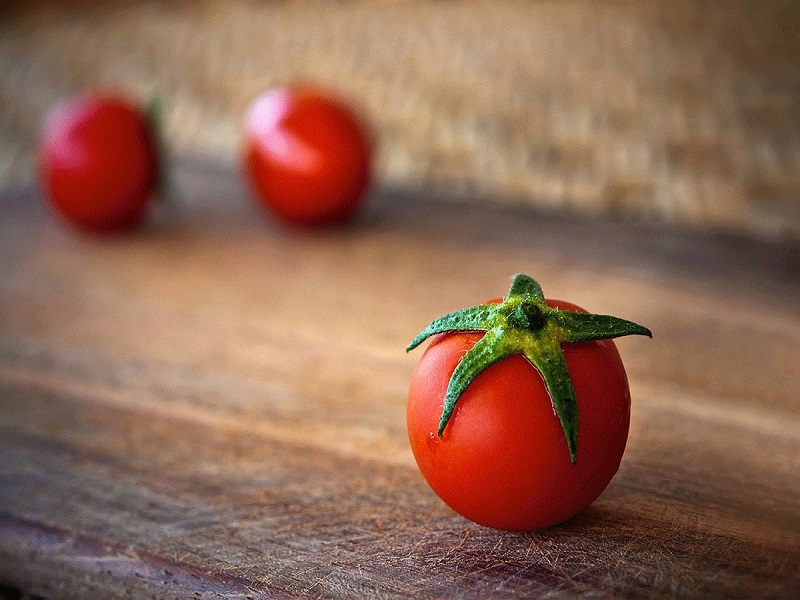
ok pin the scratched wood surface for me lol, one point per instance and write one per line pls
(214, 407)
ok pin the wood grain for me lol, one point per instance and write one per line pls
(214, 407)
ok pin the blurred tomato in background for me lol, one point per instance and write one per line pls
(99, 162)
(307, 156)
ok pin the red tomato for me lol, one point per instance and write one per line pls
(502, 460)
(98, 163)
(306, 156)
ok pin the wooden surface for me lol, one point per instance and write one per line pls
(214, 407)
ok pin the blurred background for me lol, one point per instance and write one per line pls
(678, 112)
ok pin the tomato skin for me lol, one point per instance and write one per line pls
(502, 460)
(307, 157)
(98, 163)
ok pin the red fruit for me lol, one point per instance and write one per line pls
(99, 163)
(306, 156)
(523, 426)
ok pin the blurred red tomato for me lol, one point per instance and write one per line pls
(99, 163)
(307, 156)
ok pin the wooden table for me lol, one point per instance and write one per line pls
(214, 407)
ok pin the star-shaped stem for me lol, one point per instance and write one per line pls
(524, 324)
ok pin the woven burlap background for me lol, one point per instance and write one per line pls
(676, 111)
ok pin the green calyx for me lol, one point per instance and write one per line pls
(524, 324)
(154, 115)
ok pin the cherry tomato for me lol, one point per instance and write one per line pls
(306, 156)
(98, 163)
(502, 460)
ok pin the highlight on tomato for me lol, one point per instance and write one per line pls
(518, 411)
(99, 162)
(307, 156)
